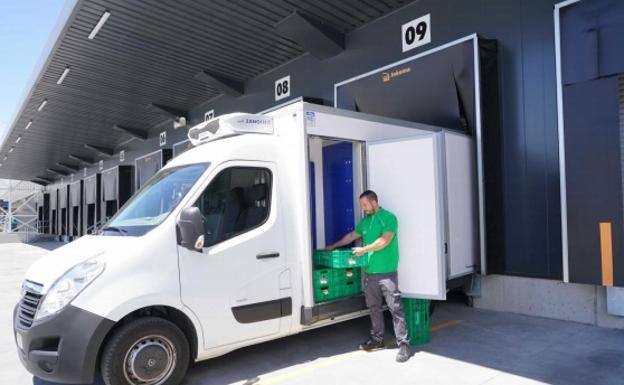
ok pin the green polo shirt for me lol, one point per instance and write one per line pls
(371, 228)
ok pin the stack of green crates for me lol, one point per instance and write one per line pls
(339, 258)
(417, 320)
(337, 274)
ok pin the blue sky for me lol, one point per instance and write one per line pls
(25, 26)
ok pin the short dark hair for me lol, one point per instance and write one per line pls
(370, 195)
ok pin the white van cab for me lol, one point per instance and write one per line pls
(214, 253)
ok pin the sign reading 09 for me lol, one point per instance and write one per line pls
(416, 32)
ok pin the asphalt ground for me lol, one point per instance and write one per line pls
(468, 346)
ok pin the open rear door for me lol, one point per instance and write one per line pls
(407, 176)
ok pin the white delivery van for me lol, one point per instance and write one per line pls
(214, 252)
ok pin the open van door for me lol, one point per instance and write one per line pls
(407, 175)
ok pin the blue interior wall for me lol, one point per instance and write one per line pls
(338, 190)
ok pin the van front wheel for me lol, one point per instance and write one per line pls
(147, 351)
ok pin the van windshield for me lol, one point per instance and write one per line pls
(153, 202)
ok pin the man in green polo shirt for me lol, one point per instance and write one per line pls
(381, 247)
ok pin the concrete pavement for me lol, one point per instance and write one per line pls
(468, 346)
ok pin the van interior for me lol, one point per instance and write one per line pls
(336, 181)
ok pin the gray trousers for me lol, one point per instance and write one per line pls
(380, 287)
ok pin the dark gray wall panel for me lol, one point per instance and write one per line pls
(592, 37)
(593, 176)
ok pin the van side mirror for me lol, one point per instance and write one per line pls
(190, 229)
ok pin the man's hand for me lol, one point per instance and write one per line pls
(330, 247)
(359, 251)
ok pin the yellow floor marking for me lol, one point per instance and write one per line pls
(335, 359)
(444, 325)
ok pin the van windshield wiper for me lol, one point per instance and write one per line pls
(117, 229)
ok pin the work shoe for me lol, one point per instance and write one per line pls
(404, 353)
(371, 345)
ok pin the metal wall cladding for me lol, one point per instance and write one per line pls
(149, 52)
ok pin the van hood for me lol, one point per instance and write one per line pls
(46, 270)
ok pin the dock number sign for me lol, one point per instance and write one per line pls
(282, 88)
(416, 33)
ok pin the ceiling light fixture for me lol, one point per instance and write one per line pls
(11, 149)
(28, 125)
(60, 80)
(99, 25)
(18, 139)
(43, 104)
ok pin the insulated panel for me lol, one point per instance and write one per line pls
(406, 177)
(461, 205)
(90, 187)
(75, 194)
(53, 199)
(181, 147)
(109, 184)
(63, 197)
(147, 166)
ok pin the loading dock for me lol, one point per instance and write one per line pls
(75, 209)
(116, 188)
(91, 206)
(52, 229)
(63, 212)
(181, 147)
(148, 165)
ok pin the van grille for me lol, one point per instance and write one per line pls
(27, 308)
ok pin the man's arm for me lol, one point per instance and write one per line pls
(347, 239)
(379, 244)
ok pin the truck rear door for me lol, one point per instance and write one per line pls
(407, 175)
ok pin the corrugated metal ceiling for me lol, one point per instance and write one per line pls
(149, 52)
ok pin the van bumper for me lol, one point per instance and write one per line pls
(63, 348)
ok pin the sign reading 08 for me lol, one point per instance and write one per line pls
(282, 88)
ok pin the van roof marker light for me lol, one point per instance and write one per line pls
(99, 24)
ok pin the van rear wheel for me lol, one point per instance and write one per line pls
(147, 351)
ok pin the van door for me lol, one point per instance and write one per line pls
(234, 285)
(407, 174)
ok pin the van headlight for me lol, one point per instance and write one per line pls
(66, 288)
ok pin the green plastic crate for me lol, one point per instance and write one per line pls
(331, 276)
(417, 320)
(339, 258)
(336, 290)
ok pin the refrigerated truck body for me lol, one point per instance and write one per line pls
(214, 253)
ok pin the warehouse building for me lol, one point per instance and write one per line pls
(537, 84)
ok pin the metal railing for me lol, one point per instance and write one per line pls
(18, 207)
